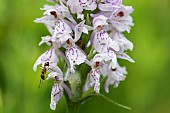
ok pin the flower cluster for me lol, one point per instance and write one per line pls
(84, 32)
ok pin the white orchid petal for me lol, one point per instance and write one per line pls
(107, 7)
(48, 56)
(88, 4)
(101, 41)
(61, 28)
(89, 28)
(80, 16)
(94, 77)
(47, 20)
(56, 94)
(85, 30)
(120, 26)
(74, 6)
(51, 75)
(125, 57)
(50, 29)
(75, 55)
(113, 2)
(127, 43)
(46, 40)
(87, 84)
(100, 20)
(38, 62)
(107, 83)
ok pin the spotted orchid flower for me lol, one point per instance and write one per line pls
(56, 94)
(88, 4)
(58, 87)
(102, 42)
(109, 5)
(77, 6)
(124, 45)
(81, 28)
(48, 21)
(100, 20)
(74, 6)
(49, 56)
(121, 20)
(54, 15)
(123, 42)
(49, 8)
(56, 43)
(114, 77)
(75, 56)
(93, 78)
(50, 41)
(65, 11)
(61, 28)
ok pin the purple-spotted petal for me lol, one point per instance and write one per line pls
(48, 56)
(56, 94)
(61, 28)
(113, 61)
(94, 77)
(75, 55)
(101, 41)
(88, 4)
(75, 6)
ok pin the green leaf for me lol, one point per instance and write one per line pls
(113, 102)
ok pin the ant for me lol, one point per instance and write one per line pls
(43, 72)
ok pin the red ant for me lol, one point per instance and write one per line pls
(43, 72)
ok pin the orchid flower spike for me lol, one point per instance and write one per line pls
(85, 41)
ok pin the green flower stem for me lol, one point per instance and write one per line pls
(73, 107)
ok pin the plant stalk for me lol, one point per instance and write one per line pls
(73, 107)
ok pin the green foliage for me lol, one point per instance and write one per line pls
(146, 89)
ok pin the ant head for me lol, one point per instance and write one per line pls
(46, 64)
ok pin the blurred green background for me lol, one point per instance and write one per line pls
(146, 89)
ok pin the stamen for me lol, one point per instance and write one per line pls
(97, 64)
(68, 41)
(54, 14)
(99, 27)
(121, 14)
